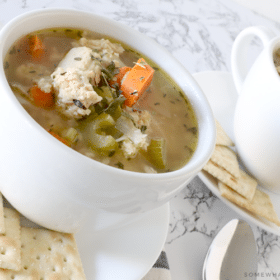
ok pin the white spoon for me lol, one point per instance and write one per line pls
(232, 254)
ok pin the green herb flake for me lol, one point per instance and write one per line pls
(188, 149)
(181, 94)
(6, 65)
(12, 51)
(111, 67)
(193, 130)
(111, 153)
(119, 165)
(79, 34)
(95, 58)
(143, 128)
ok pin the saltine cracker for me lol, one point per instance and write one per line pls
(221, 136)
(47, 255)
(227, 159)
(245, 185)
(10, 245)
(260, 205)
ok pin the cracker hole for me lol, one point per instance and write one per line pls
(25, 267)
(60, 240)
(12, 276)
(34, 237)
(2, 251)
(42, 278)
(38, 257)
(3, 234)
(49, 248)
(53, 269)
(65, 260)
(22, 246)
(5, 216)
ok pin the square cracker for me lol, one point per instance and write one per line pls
(47, 255)
(2, 220)
(245, 185)
(222, 137)
(10, 245)
(226, 158)
(260, 205)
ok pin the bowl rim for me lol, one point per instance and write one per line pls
(193, 166)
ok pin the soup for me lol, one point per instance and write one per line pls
(103, 99)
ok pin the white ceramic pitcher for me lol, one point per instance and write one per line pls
(257, 115)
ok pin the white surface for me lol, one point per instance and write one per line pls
(127, 253)
(267, 8)
(218, 86)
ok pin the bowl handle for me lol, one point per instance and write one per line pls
(239, 54)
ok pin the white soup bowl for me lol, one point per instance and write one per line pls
(61, 189)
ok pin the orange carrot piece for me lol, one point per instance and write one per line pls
(41, 98)
(117, 79)
(137, 81)
(36, 47)
(64, 141)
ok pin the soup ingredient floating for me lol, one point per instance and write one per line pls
(136, 81)
(106, 102)
(36, 47)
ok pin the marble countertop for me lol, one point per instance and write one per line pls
(199, 33)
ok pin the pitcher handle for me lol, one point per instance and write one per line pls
(239, 54)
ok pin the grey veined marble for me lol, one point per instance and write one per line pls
(200, 34)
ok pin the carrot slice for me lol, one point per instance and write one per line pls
(117, 79)
(64, 141)
(136, 81)
(36, 47)
(41, 98)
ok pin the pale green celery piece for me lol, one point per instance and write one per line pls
(114, 132)
(105, 93)
(102, 122)
(71, 135)
(97, 137)
(114, 109)
(156, 153)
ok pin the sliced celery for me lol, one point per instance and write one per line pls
(105, 93)
(104, 144)
(155, 153)
(71, 135)
(97, 136)
(114, 109)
